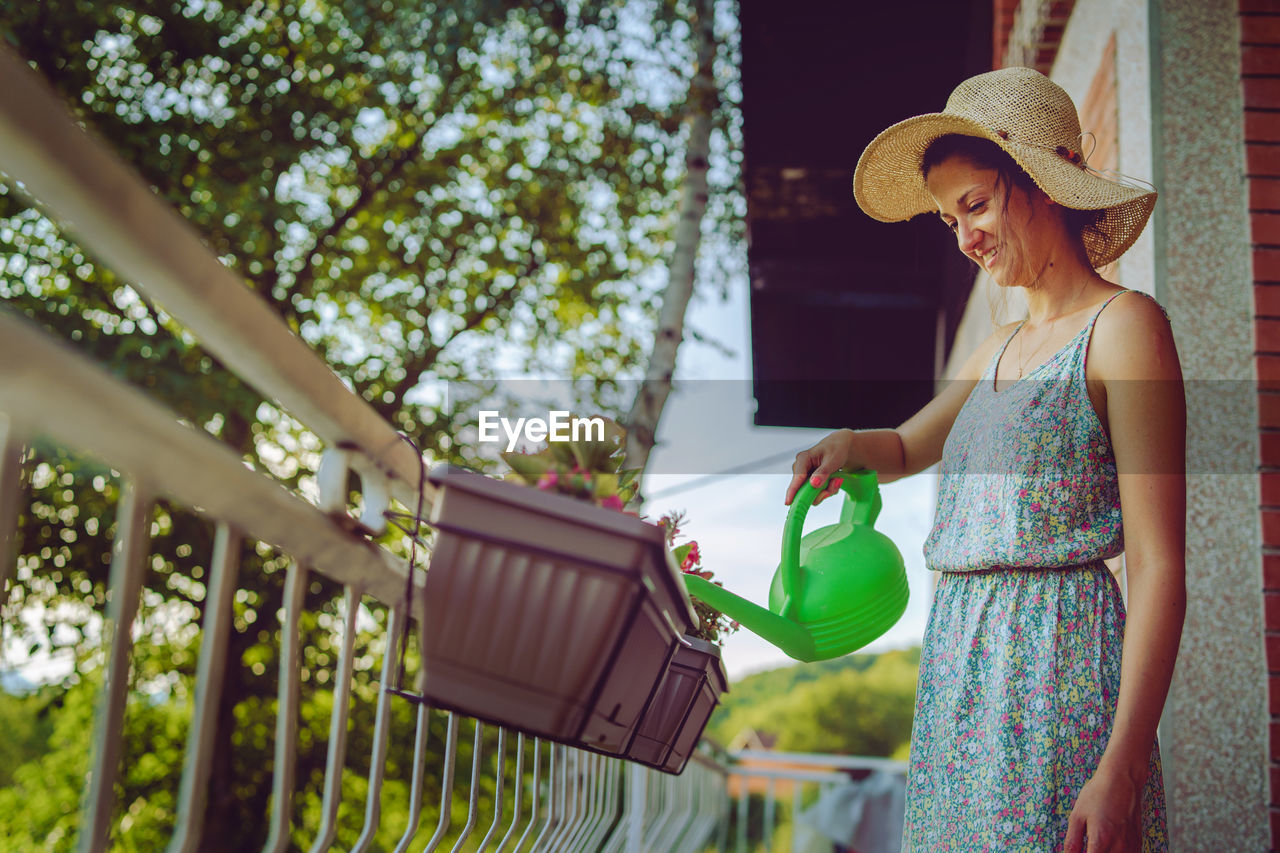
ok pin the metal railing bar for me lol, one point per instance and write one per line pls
(10, 502)
(700, 799)
(744, 807)
(843, 762)
(792, 775)
(473, 800)
(795, 813)
(535, 791)
(658, 813)
(128, 565)
(609, 820)
(287, 702)
(553, 790)
(666, 818)
(709, 805)
(215, 637)
(590, 801)
(73, 401)
(770, 813)
(585, 800)
(421, 730)
(572, 790)
(599, 813)
(561, 781)
(516, 795)
(687, 817)
(653, 808)
(338, 716)
(381, 730)
(638, 803)
(620, 838)
(446, 790)
(725, 815)
(499, 790)
(615, 839)
(115, 215)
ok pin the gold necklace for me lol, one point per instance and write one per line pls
(1022, 362)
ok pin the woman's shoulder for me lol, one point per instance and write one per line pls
(1132, 339)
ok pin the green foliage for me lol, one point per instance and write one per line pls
(857, 705)
(27, 723)
(427, 193)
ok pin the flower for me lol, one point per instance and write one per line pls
(712, 624)
(691, 558)
(587, 469)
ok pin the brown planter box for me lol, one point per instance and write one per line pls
(547, 614)
(681, 706)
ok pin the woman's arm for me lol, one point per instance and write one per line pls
(1134, 358)
(894, 453)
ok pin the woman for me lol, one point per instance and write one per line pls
(1037, 704)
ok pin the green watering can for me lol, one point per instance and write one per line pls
(837, 589)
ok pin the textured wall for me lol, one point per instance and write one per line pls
(1215, 726)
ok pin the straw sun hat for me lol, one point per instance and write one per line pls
(1035, 122)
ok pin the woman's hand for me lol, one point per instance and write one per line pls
(1107, 817)
(819, 462)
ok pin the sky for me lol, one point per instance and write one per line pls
(737, 519)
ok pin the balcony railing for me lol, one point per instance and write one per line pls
(544, 796)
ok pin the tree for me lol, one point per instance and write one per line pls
(700, 107)
(858, 705)
(426, 192)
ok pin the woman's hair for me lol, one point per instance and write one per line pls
(985, 154)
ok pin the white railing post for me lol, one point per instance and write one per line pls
(338, 716)
(216, 635)
(446, 784)
(499, 791)
(535, 791)
(10, 501)
(419, 772)
(638, 783)
(473, 799)
(287, 701)
(128, 564)
(516, 795)
(381, 730)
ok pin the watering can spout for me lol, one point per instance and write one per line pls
(784, 633)
(836, 589)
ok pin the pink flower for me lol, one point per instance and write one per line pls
(692, 558)
(548, 480)
(612, 502)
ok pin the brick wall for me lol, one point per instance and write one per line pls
(1099, 115)
(1002, 22)
(1260, 78)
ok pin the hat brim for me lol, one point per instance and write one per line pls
(889, 186)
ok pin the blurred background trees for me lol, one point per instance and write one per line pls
(431, 194)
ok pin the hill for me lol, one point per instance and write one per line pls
(855, 705)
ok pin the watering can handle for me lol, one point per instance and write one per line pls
(863, 492)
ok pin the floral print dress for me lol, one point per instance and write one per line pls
(1020, 667)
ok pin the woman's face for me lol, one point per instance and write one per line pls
(996, 226)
